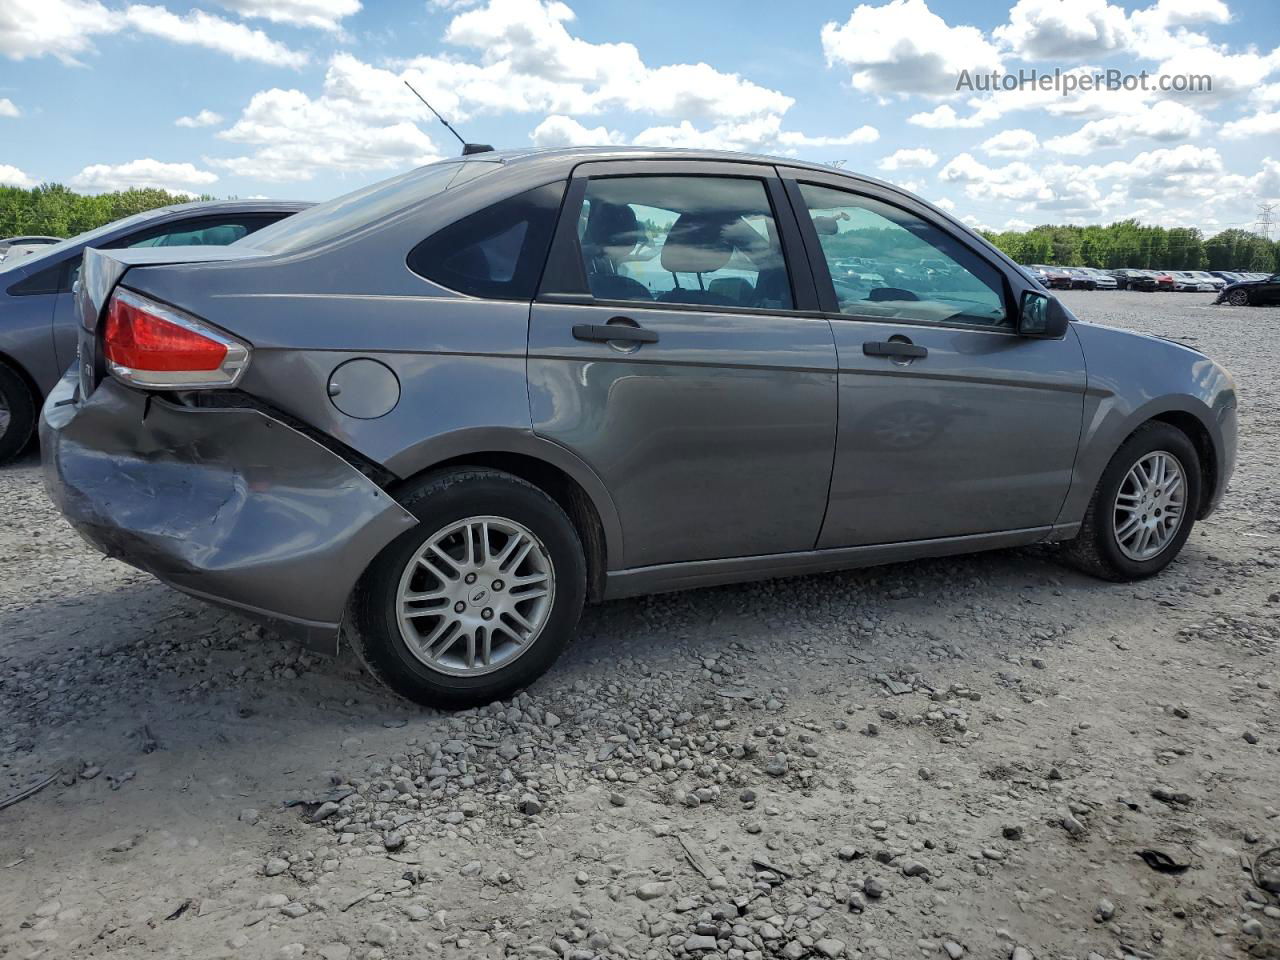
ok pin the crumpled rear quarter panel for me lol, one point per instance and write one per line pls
(228, 504)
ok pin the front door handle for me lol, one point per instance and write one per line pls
(605, 332)
(893, 348)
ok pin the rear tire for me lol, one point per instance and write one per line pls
(1239, 298)
(17, 413)
(1101, 548)
(456, 624)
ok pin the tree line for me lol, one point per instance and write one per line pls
(55, 211)
(1129, 243)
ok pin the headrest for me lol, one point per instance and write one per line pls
(696, 244)
(613, 225)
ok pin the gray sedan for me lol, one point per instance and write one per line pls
(37, 323)
(438, 414)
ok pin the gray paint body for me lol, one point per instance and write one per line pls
(38, 331)
(743, 444)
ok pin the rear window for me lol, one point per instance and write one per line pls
(327, 221)
(497, 252)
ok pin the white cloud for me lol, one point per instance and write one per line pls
(13, 177)
(1090, 29)
(909, 158)
(1014, 223)
(8, 108)
(321, 14)
(863, 134)
(361, 123)
(59, 28)
(1261, 124)
(528, 61)
(201, 29)
(1063, 29)
(175, 177)
(205, 118)
(1165, 121)
(945, 203)
(760, 133)
(904, 47)
(1267, 93)
(1011, 143)
(561, 131)
(944, 117)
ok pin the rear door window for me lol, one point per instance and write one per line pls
(497, 253)
(683, 239)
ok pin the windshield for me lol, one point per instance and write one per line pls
(83, 239)
(326, 221)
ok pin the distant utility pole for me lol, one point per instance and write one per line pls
(1262, 226)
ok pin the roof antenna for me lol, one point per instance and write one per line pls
(467, 148)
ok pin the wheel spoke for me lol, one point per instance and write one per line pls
(521, 555)
(521, 622)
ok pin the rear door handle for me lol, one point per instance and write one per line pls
(893, 348)
(605, 332)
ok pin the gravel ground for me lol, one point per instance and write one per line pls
(956, 758)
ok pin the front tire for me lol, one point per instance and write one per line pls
(17, 413)
(479, 599)
(1239, 298)
(1143, 508)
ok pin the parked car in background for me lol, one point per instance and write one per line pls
(440, 412)
(1131, 279)
(1163, 278)
(1204, 276)
(1101, 279)
(1081, 279)
(1255, 293)
(1185, 281)
(26, 242)
(1055, 278)
(37, 313)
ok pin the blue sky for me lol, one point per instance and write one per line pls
(304, 99)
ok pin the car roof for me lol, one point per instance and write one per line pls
(235, 206)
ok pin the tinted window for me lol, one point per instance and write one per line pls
(203, 233)
(327, 221)
(706, 240)
(886, 262)
(497, 252)
(48, 280)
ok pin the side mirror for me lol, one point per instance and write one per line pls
(1041, 316)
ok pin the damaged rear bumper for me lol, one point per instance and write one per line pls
(229, 505)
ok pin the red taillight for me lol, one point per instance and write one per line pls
(151, 345)
(140, 340)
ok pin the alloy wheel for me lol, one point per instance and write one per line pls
(5, 416)
(475, 596)
(1150, 506)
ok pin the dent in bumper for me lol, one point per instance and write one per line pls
(227, 504)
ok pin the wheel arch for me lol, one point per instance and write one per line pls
(570, 483)
(1111, 427)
